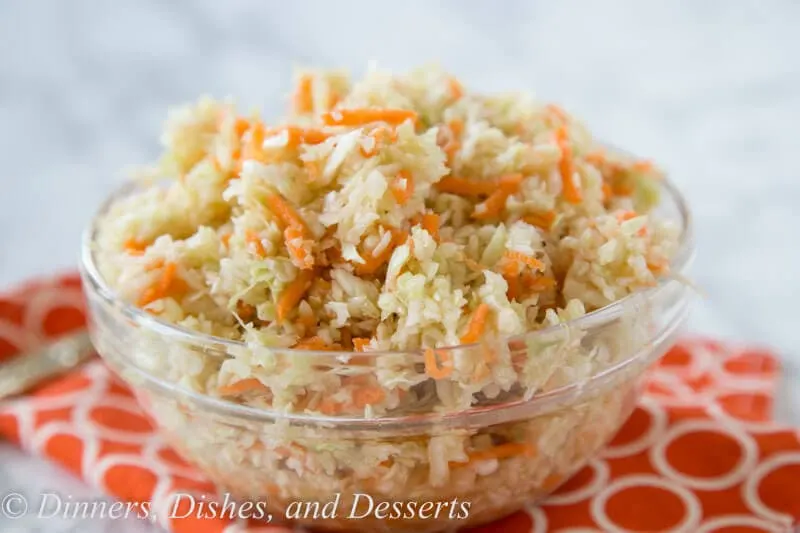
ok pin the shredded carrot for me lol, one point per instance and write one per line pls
(511, 275)
(253, 146)
(477, 324)
(496, 202)
(369, 395)
(450, 151)
(655, 268)
(430, 223)
(366, 153)
(466, 187)
(251, 237)
(456, 127)
(372, 263)
(246, 311)
(597, 158)
(285, 212)
(329, 407)
(620, 188)
(135, 246)
(535, 283)
(540, 220)
(226, 239)
(642, 166)
(359, 343)
(432, 366)
(623, 216)
(297, 136)
(456, 89)
(566, 167)
(503, 451)
(402, 187)
(315, 343)
(302, 101)
(169, 284)
(240, 126)
(527, 259)
(243, 385)
(379, 137)
(293, 293)
(359, 117)
(301, 258)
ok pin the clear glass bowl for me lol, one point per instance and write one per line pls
(590, 368)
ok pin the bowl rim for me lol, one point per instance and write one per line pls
(567, 394)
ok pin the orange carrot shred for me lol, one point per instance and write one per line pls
(436, 370)
(293, 293)
(367, 396)
(359, 117)
(243, 385)
(477, 324)
(527, 259)
(402, 187)
(226, 239)
(536, 283)
(465, 187)
(456, 127)
(251, 237)
(359, 343)
(430, 223)
(240, 126)
(297, 136)
(372, 263)
(315, 343)
(456, 89)
(595, 158)
(167, 285)
(540, 220)
(300, 256)
(329, 407)
(496, 202)
(566, 167)
(503, 451)
(285, 212)
(302, 101)
(135, 246)
(246, 312)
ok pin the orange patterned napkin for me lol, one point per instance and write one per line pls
(700, 454)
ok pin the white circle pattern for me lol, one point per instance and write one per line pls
(692, 507)
(751, 486)
(749, 457)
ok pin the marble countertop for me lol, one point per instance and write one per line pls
(708, 89)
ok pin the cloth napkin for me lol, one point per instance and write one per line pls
(701, 452)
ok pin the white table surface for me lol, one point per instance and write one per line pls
(708, 89)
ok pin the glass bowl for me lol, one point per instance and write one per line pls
(428, 469)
